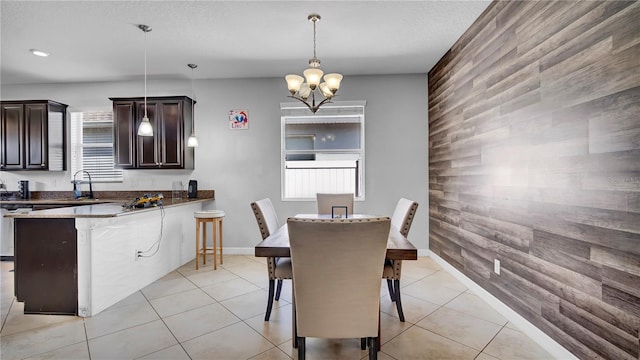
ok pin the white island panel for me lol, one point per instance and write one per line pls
(109, 268)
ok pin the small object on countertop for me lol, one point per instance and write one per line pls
(192, 192)
(145, 201)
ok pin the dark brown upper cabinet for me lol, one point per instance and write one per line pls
(32, 135)
(167, 148)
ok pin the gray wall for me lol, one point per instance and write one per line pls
(244, 165)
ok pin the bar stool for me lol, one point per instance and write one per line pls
(202, 218)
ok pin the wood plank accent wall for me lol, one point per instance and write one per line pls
(534, 159)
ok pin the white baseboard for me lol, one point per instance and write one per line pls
(537, 335)
(238, 251)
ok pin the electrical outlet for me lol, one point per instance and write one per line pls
(496, 266)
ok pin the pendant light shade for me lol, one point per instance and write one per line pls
(145, 128)
(193, 140)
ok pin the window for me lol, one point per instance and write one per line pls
(92, 146)
(322, 152)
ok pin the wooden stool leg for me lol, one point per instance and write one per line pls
(197, 243)
(220, 241)
(204, 244)
(214, 229)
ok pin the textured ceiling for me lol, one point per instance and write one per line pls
(92, 41)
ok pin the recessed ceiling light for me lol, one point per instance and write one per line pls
(39, 52)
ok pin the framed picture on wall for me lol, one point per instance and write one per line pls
(238, 119)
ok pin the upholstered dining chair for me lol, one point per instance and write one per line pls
(401, 220)
(277, 268)
(327, 201)
(341, 298)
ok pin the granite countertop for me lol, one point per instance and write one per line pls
(98, 210)
(105, 203)
(68, 198)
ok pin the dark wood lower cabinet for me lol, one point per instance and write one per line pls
(46, 265)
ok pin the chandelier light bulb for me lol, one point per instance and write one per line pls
(333, 81)
(294, 82)
(304, 91)
(313, 77)
(325, 90)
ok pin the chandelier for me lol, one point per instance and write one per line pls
(301, 90)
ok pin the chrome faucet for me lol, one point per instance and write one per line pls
(76, 186)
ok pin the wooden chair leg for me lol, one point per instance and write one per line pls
(301, 348)
(279, 289)
(363, 343)
(390, 286)
(398, 300)
(270, 299)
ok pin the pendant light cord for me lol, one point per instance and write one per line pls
(193, 104)
(145, 73)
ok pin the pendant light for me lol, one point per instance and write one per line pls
(145, 128)
(193, 140)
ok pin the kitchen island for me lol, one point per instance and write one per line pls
(82, 259)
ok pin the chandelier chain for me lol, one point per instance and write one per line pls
(314, 39)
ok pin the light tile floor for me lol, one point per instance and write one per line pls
(208, 314)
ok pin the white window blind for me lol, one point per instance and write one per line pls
(322, 152)
(92, 146)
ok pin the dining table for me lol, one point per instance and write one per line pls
(277, 245)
